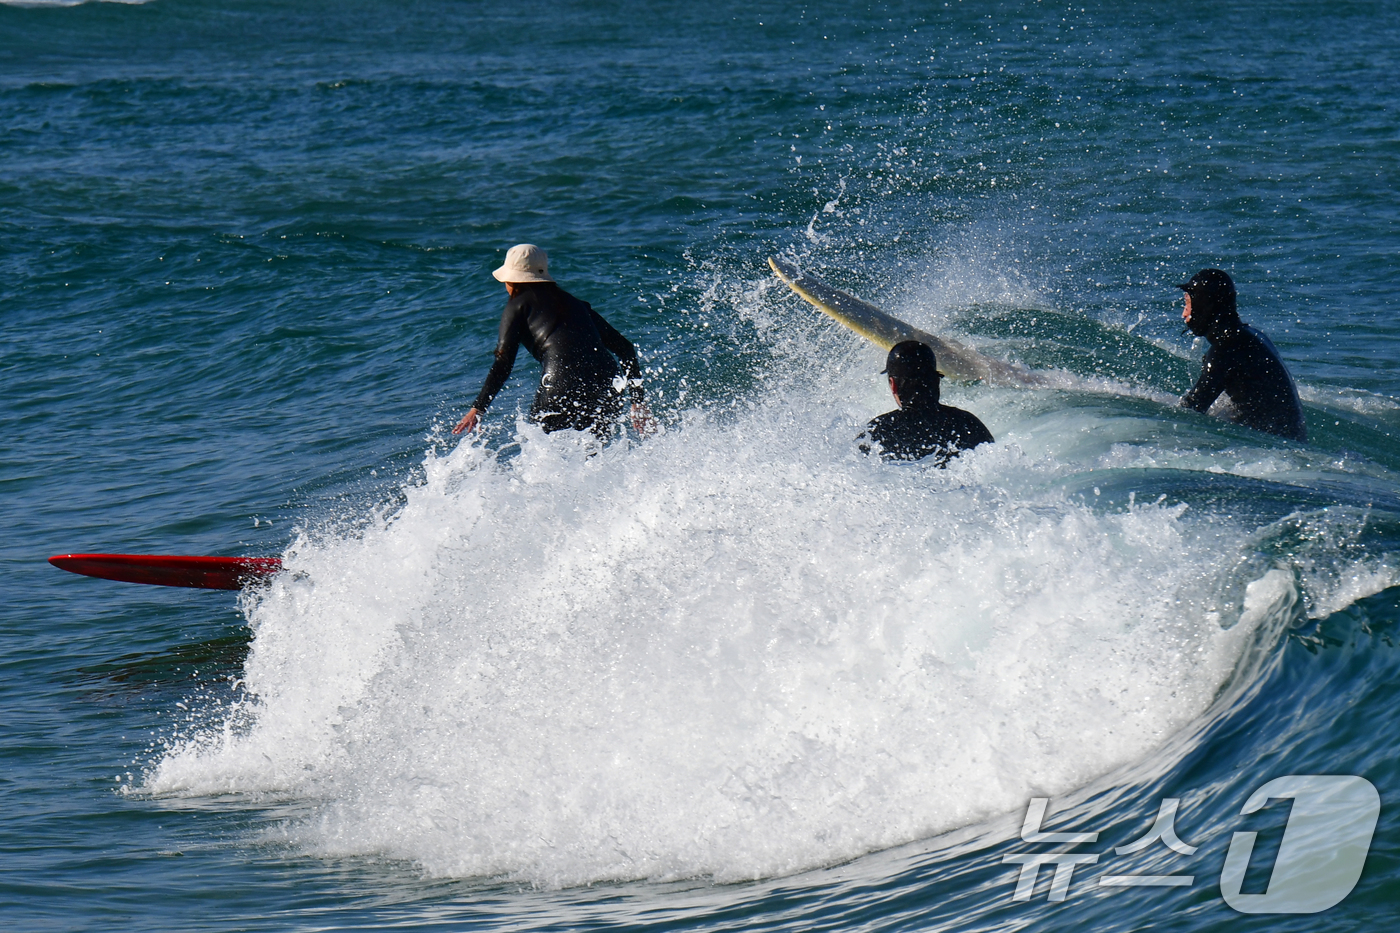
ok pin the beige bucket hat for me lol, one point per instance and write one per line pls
(525, 262)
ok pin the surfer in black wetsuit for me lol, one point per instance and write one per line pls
(1241, 362)
(921, 425)
(575, 346)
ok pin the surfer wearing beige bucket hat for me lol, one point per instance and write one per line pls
(579, 387)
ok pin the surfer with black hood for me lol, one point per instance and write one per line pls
(1241, 363)
(922, 425)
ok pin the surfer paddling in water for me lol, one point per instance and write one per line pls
(1241, 363)
(580, 386)
(921, 426)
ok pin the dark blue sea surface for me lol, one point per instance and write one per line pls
(734, 675)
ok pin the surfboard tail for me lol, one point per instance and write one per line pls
(205, 573)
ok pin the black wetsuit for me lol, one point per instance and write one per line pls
(915, 432)
(575, 347)
(1243, 364)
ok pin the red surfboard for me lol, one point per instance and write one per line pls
(207, 573)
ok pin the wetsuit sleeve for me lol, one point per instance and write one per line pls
(620, 347)
(1208, 387)
(507, 346)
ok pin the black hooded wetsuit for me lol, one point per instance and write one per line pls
(1243, 364)
(916, 431)
(575, 348)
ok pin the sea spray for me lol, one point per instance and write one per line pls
(738, 649)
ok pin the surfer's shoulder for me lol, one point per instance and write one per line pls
(961, 429)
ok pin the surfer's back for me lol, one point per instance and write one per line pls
(918, 432)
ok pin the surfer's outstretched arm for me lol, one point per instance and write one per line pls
(1207, 388)
(507, 347)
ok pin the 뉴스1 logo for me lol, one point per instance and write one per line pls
(1324, 845)
(1319, 861)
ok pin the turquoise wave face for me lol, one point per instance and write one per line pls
(734, 675)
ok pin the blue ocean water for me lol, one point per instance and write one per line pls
(735, 675)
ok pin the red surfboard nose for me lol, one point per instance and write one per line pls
(207, 573)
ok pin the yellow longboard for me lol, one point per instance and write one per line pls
(955, 360)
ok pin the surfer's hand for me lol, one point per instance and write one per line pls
(468, 422)
(642, 420)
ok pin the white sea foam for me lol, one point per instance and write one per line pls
(66, 3)
(1325, 556)
(739, 649)
(742, 648)
(1353, 400)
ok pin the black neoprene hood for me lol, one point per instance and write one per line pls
(1212, 294)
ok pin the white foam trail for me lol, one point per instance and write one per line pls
(1352, 400)
(739, 650)
(68, 3)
